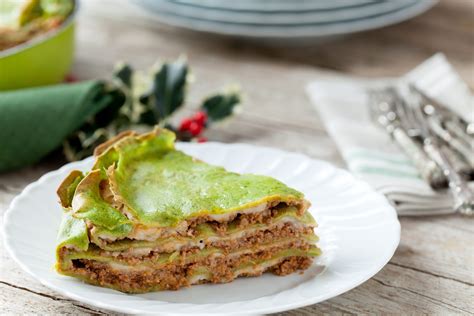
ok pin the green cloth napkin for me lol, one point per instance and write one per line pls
(35, 121)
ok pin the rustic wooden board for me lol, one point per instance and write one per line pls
(433, 269)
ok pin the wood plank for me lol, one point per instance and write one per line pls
(431, 246)
(394, 290)
(15, 301)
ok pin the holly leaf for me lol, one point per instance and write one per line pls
(134, 109)
(148, 118)
(82, 143)
(97, 129)
(222, 105)
(123, 72)
(168, 89)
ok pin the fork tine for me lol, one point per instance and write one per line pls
(378, 103)
(417, 110)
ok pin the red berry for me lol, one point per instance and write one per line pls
(185, 124)
(200, 117)
(70, 78)
(201, 139)
(195, 128)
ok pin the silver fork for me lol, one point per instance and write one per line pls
(454, 123)
(463, 197)
(383, 111)
(448, 126)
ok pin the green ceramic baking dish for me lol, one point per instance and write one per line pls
(43, 60)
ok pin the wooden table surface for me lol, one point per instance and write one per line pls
(433, 269)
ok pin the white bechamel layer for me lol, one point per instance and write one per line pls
(196, 278)
(176, 245)
(153, 233)
(251, 270)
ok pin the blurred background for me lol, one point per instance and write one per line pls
(273, 71)
(270, 48)
(69, 69)
(391, 50)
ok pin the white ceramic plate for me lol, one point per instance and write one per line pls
(276, 18)
(274, 5)
(294, 31)
(358, 228)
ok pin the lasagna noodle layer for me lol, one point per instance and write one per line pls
(144, 180)
(215, 269)
(262, 213)
(206, 235)
(191, 255)
(245, 255)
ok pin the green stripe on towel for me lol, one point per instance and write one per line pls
(387, 172)
(361, 153)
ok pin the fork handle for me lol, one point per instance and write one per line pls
(453, 142)
(455, 128)
(428, 169)
(463, 197)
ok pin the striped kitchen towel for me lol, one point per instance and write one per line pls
(369, 152)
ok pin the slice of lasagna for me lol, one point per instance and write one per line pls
(148, 217)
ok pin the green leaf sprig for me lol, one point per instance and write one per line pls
(150, 99)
